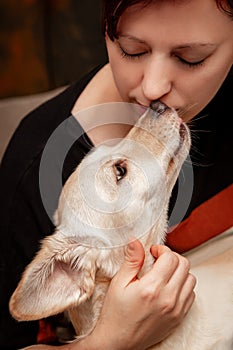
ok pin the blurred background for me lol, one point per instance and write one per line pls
(45, 44)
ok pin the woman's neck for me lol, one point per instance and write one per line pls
(100, 90)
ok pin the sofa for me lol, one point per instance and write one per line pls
(13, 109)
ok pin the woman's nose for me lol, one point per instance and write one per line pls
(157, 80)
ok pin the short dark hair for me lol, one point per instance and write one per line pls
(113, 10)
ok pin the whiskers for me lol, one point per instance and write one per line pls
(197, 158)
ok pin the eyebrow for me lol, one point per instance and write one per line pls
(194, 45)
(191, 45)
(132, 38)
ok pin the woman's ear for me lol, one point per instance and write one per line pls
(60, 276)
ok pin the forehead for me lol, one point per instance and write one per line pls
(169, 18)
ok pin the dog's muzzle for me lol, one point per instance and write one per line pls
(158, 107)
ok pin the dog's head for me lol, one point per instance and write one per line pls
(116, 193)
(121, 191)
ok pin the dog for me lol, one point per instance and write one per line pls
(116, 193)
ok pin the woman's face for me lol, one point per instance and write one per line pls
(176, 51)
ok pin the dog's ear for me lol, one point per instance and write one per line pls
(60, 276)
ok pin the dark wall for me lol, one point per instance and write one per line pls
(45, 44)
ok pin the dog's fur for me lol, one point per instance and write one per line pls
(74, 266)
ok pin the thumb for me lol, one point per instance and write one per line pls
(134, 259)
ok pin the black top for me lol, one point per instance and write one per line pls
(24, 221)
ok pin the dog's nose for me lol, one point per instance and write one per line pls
(158, 107)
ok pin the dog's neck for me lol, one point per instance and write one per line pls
(113, 259)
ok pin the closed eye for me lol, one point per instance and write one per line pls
(191, 64)
(126, 54)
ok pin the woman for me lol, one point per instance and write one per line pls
(179, 52)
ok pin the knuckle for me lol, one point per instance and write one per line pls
(168, 306)
(149, 293)
(172, 258)
(193, 280)
(176, 311)
(185, 263)
(177, 315)
(192, 297)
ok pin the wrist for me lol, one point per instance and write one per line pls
(98, 341)
(91, 342)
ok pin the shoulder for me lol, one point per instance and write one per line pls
(51, 113)
(36, 127)
(28, 141)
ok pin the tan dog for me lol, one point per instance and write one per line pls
(117, 193)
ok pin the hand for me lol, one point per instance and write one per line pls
(139, 313)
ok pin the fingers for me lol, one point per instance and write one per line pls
(181, 272)
(164, 267)
(134, 259)
(171, 267)
(187, 294)
(182, 283)
(151, 306)
(157, 250)
(170, 276)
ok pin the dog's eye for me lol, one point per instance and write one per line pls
(120, 171)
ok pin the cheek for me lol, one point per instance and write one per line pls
(213, 76)
(200, 89)
(127, 79)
